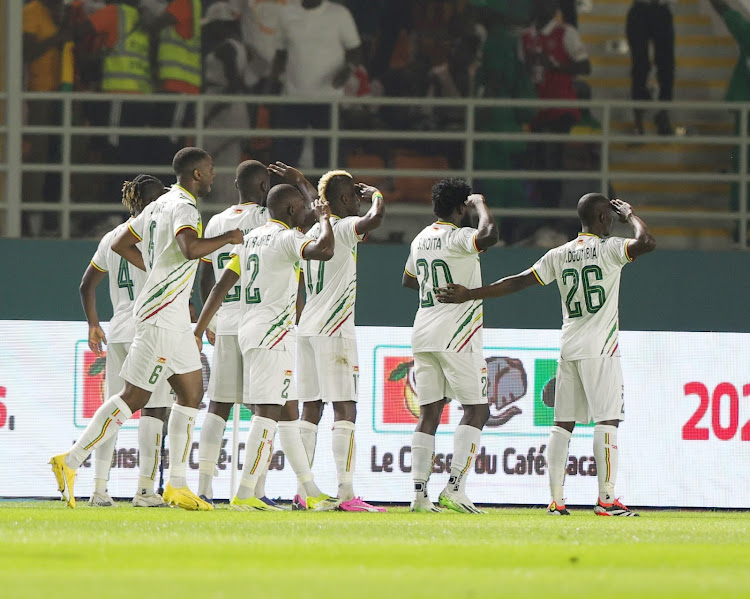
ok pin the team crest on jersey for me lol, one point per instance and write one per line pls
(287, 373)
(161, 360)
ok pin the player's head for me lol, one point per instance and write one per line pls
(195, 170)
(596, 214)
(140, 192)
(252, 181)
(285, 203)
(337, 188)
(544, 11)
(449, 198)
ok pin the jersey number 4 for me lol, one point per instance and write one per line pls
(424, 271)
(123, 278)
(593, 294)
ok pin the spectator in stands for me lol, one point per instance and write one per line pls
(43, 37)
(318, 49)
(554, 55)
(651, 22)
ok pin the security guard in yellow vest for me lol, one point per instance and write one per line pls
(179, 53)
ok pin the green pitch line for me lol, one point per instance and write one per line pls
(47, 550)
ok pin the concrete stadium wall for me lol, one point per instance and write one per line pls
(665, 291)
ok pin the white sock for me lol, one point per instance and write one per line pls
(422, 457)
(257, 450)
(345, 455)
(294, 449)
(180, 434)
(309, 433)
(605, 454)
(104, 425)
(209, 448)
(465, 446)
(150, 430)
(260, 486)
(557, 459)
(103, 463)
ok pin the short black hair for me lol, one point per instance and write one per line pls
(590, 206)
(187, 160)
(449, 194)
(249, 174)
(280, 196)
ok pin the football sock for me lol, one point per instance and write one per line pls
(104, 425)
(344, 454)
(260, 486)
(180, 433)
(294, 449)
(257, 451)
(102, 463)
(605, 454)
(309, 433)
(150, 430)
(209, 447)
(422, 456)
(557, 458)
(465, 445)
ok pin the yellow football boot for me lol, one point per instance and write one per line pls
(66, 478)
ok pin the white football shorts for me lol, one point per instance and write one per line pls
(327, 369)
(116, 353)
(589, 389)
(269, 375)
(157, 353)
(459, 376)
(225, 384)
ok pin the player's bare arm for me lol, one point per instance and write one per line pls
(206, 282)
(292, 176)
(322, 247)
(91, 279)
(193, 247)
(643, 242)
(212, 304)
(300, 296)
(457, 294)
(409, 281)
(487, 233)
(376, 214)
(124, 245)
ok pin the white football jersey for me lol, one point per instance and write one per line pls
(125, 283)
(332, 286)
(245, 217)
(267, 264)
(165, 297)
(444, 253)
(587, 270)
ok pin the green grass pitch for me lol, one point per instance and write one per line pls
(47, 550)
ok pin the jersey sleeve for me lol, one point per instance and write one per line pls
(99, 260)
(186, 216)
(234, 265)
(616, 251)
(137, 225)
(464, 240)
(348, 30)
(346, 231)
(544, 268)
(294, 243)
(574, 44)
(410, 269)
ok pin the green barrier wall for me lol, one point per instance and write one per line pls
(664, 291)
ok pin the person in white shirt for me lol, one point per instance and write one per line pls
(265, 265)
(225, 384)
(447, 340)
(163, 346)
(318, 48)
(327, 361)
(125, 283)
(589, 382)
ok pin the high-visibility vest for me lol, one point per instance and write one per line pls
(180, 59)
(126, 67)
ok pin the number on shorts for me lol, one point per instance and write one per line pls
(236, 293)
(319, 284)
(151, 229)
(253, 266)
(484, 386)
(285, 390)
(155, 374)
(356, 384)
(123, 278)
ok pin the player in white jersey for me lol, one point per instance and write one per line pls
(225, 384)
(163, 346)
(266, 267)
(125, 282)
(589, 382)
(327, 361)
(447, 340)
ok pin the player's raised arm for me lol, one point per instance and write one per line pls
(644, 242)
(457, 294)
(376, 214)
(91, 279)
(124, 245)
(322, 247)
(487, 233)
(212, 304)
(193, 247)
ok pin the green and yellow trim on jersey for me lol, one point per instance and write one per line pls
(195, 200)
(343, 310)
(278, 222)
(476, 247)
(538, 278)
(132, 230)
(183, 227)
(588, 234)
(627, 253)
(409, 274)
(174, 283)
(472, 322)
(97, 267)
(302, 250)
(442, 222)
(206, 259)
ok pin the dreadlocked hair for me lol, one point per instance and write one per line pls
(133, 192)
